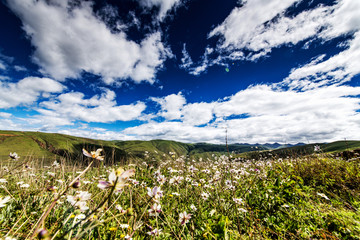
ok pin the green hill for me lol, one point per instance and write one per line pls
(340, 146)
(51, 145)
(48, 145)
(296, 151)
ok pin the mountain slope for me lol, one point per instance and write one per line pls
(50, 145)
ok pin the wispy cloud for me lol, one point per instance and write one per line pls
(204, 63)
(2, 65)
(5, 115)
(245, 22)
(68, 42)
(164, 6)
(20, 68)
(186, 60)
(252, 30)
(343, 66)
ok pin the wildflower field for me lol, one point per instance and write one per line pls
(312, 197)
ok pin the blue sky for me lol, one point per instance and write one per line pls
(266, 70)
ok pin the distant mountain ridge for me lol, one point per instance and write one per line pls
(50, 145)
(271, 146)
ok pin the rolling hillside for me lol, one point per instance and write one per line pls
(338, 147)
(50, 145)
(47, 145)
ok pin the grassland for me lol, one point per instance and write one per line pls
(313, 197)
(169, 190)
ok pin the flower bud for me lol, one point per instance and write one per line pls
(43, 234)
(51, 189)
(130, 211)
(76, 184)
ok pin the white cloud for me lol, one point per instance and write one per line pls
(244, 22)
(204, 63)
(301, 108)
(186, 60)
(164, 6)
(259, 26)
(287, 30)
(198, 113)
(175, 131)
(261, 113)
(20, 68)
(263, 37)
(264, 100)
(4, 77)
(96, 133)
(196, 71)
(26, 91)
(68, 42)
(48, 120)
(8, 124)
(73, 106)
(342, 66)
(345, 19)
(5, 115)
(171, 105)
(2, 65)
(152, 56)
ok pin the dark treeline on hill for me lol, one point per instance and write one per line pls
(52, 145)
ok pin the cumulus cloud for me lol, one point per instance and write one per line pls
(174, 107)
(171, 105)
(73, 106)
(69, 40)
(26, 91)
(164, 6)
(260, 113)
(96, 133)
(198, 113)
(175, 131)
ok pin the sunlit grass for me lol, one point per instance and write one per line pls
(313, 197)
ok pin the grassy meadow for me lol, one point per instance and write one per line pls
(310, 197)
